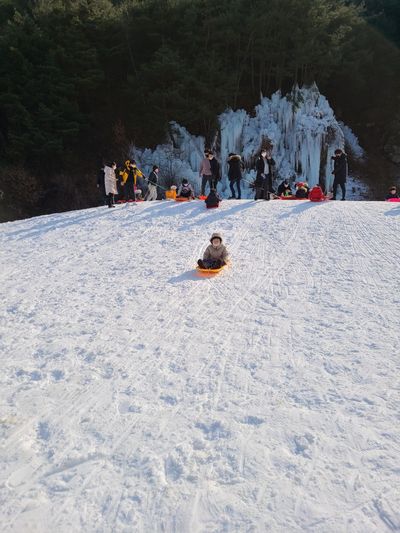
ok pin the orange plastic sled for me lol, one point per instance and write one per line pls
(209, 271)
(182, 199)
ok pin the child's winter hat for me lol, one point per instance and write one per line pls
(216, 236)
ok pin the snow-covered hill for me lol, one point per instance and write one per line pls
(139, 397)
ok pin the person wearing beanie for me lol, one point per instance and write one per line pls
(185, 190)
(215, 255)
(152, 181)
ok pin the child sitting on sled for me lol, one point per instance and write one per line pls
(392, 193)
(301, 190)
(212, 199)
(215, 255)
(185, 190)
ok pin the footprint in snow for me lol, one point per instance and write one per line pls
(253, 421)
(58, 375)
(301, 445)
(214, 431)
(169, 400)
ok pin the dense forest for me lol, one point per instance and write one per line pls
(82, 79)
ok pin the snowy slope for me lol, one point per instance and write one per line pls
(137, 396)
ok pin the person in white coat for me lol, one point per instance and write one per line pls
(110, 183)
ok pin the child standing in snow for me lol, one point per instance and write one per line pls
(215, 255)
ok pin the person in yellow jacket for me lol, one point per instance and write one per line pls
(129, 176)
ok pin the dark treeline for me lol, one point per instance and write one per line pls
(81, 79)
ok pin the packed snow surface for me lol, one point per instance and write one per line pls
(137, 396)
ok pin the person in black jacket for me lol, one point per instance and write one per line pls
(212, 199)
(152, 187)
(284, 189)
(235, 174)
(215, 171)
(100, 185)
(265, 167)
(340, 172)
(392, 193)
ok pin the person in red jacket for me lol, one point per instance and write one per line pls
(316, 194)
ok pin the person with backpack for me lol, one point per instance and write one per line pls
(340, 172)
(205, 173)
(152, 184)
(235, 174)
(185, 190)
(110, 183)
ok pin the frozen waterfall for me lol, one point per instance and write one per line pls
(301, 127)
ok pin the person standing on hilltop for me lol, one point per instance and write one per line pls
(110, 183)
(205, 173)
(340, 172)
(265, 168)
(215, 171)
(152, 181)
(236, 167)
(100, 185)
(129, 179)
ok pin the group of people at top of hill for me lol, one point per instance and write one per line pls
(265, 176)
(123, 183)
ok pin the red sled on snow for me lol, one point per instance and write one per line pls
(393, 200)
(289, 198)
(183, 199)
(316, 195)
